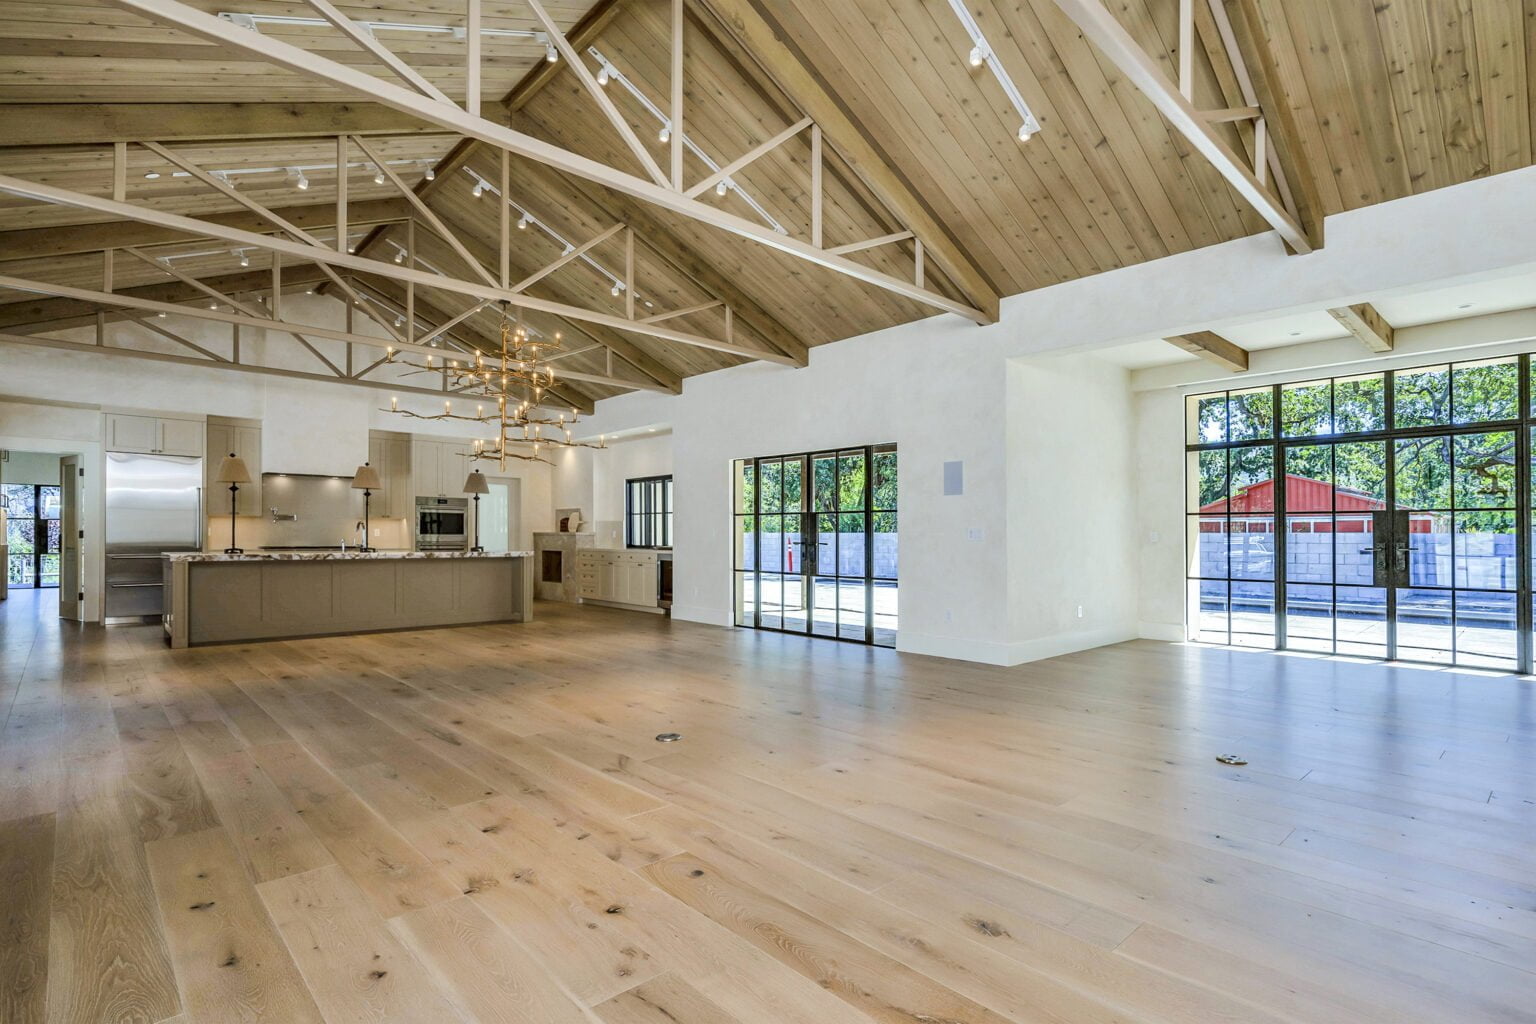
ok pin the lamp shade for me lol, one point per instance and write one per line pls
(367, 479)
(233, 471)
(475, 483)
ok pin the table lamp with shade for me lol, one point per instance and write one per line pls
(233, 471)
(476, 484)
(366, 480)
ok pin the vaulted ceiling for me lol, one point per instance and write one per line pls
(1381, 100)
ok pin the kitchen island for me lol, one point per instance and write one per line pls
(217, 598)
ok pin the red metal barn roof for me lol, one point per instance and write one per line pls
(1302, 494)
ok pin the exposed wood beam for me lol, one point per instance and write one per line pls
(1226, 114)
(1365, 323)
(1258, 57)
(686, 311)
(70, 239)
(749, 156)
(774, 51)
(1214, 348)
(330, 260)
(39, 313)
(1102, 28)
(574, 254)
(366, 41)
(655, 236)
(83, 124)
(872, 243)
(451, 117)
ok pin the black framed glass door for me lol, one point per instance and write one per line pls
(32, 534)
(1383, 515)
(816, 544)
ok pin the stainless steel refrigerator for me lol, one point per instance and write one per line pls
(154, 505)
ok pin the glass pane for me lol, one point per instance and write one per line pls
(885, 597)
(827, 543)
(1429, 549)
(1253, 480)
(1253, 615)
(1252, 414)
(1253, 549)
(850, 480)
(1485, 470)
(746, 599)
(1207, 418)
(1424, 472)
(1309, 548)
(1360, 476)
(50, 575)
(1305, 409)
(790, 480)
(1485, 629)
(771, 600)
(850, 544)
(771, 544)
(1207, 482)
(18, 570)
(1207, 546)
(1354, 540)
(52, 501)
(746, 542)
(1359, 404)
(797, 602)
(1424, 625)
(1309, 478)
(772, 493)
(824, 483)
(1309, 618)
(1486, 391)
(885, 480)
(746, 487)
(19, 500)
(1360, 621)
(824, 610)
(1208, 611)
(1422, 397)
(887, 545)
(1485, 550)
(851, 596)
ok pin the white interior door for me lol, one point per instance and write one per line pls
(71, 588)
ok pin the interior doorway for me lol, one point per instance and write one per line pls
(42, 494)
(816, 544)
(501, 521)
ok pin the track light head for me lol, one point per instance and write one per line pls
(478, 190)
(522, 223)
(245, 259)
(301, 182)
(978, 56)
(603, 75)
(431, 173)
(614, 291)
(551, 54)
(722, 187)
(400, 256)
(665, 135)
(1024, 133)
(378, 177)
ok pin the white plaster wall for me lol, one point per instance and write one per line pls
(626, 460)
(29, 468)
(1072, 565)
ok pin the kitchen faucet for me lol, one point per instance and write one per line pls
(360, 530)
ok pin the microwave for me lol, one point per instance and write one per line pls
(442, 524)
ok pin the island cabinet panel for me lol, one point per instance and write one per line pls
(220, 599)
(368, 590)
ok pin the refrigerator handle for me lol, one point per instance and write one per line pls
(202, 524)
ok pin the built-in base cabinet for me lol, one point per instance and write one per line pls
(617, 577)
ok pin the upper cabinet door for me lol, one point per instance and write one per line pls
(133, 434)
(427, 469)
(181, 437)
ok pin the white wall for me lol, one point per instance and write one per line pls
(29, 468)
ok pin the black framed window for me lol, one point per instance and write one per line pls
(648, 512)
(32, 534)
(1383, 514)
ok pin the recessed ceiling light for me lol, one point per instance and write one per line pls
(151, 175)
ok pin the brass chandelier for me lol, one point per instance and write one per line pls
(518, 381)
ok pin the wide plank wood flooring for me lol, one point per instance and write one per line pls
(478, 825)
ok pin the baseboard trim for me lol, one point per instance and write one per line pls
(988, 652)
(702, 613)
(1172, 632)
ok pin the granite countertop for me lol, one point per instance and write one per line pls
(332, 556)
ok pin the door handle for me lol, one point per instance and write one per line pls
(155, 557)
(125, 586)
(1401, 549)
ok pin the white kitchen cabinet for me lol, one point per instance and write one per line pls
(391, 456)
(427, 470)
(154, 435)
(617, 577)
(223, 437)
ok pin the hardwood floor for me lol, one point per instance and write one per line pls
(477, 825)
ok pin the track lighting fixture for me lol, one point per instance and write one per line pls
(245, 259)
(665, 135)
(551, 54)
(478, 190)
(722, 187)
(378, 177)
(603, 75)
(301, 182)
(522, 223)
(400, 256)
(614, 291)
(431, 173)
(1024, 133)
(978, 58)
(399, 320)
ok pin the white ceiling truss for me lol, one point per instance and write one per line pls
(662, 188)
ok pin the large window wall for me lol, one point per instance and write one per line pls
(1384, 515)
(816, 544)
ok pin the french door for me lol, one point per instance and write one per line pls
(816, 544)
(1405, 535)
(33, 534)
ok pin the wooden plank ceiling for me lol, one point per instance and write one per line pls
(1391, 98)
